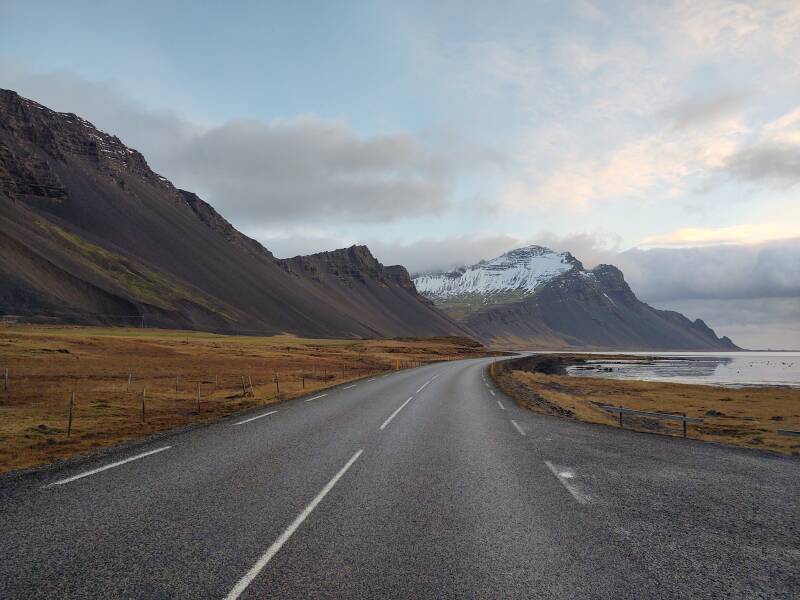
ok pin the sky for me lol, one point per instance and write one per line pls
(661, 137)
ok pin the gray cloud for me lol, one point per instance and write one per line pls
(703, 110)
(443, 253)
(776, 163)
(312, 168)
(768, 270)
(262, 174)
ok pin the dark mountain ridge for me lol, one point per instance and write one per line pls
(89, 233)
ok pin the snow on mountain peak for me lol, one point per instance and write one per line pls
(521, 270)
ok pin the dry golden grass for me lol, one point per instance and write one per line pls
(748, 417)
(46, 364)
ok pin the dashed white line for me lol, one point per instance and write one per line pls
(394, 414)
(434, 377)
(517, 427)
(424, 385)
(347, 387)
(564, 476)
(315, 397)
(245, 581)
(492, 392)
(368, 380)
(272, 412)
(106, 467)
(500, 404)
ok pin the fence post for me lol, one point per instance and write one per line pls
(684, 424)
(130, 376)
(5, 380)
(216, 381)
(620, 418)
(250, 383)
(177, 381)
(69, 420)
(198, 397)
(303, 379)
(144, 393)
(277, 385)
(244, 389)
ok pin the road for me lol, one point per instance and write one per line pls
(425, 483)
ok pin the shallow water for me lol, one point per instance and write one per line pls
(734, 369)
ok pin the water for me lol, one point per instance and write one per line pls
(732, 369)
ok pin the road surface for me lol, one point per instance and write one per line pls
(426, 483)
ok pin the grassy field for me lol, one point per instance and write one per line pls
(749, 417)
(46, 364)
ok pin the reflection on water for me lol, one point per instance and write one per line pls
(735, 369)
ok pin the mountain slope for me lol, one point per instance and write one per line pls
(88, 232)
(533, 297)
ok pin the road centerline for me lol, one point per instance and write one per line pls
(106, 467)
(517, 427)
(248, 578)
(394, 414)
(564, 476)
(500, 404)
(272, 412)
(315, 398)
(347, 387)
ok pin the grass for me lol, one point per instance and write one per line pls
(747, 417)
(47, 363)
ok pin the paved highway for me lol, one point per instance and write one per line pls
(425, 483)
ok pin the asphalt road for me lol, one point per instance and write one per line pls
(425, 483)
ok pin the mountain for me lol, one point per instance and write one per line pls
(534, 297)
(90, 234)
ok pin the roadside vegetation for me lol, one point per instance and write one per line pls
(130, 383)
(750, 417)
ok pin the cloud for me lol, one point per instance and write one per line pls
(737, 234)
(263, 173)
(695, 112)
(311, 169)
(767, 270)
(444, 253)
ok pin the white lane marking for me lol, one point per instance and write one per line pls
(347, 387)
(106, 467)
(394, 414)
(500, 404)
(434, 377)
(492, 392)
(564, 476)
(368, 380)
(315, 397)
(518, 428)
(272, 412)
(424, 385)
(245, 581)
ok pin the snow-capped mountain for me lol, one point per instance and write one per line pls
(518, 272)
(533, 297)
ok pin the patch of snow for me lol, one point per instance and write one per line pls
(524, 269)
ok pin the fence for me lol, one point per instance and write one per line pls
(651, 415)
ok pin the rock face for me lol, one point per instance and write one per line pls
(89, 233)
(559, 304)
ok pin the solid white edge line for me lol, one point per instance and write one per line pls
(517, 427)
(272, 412)
(106, 467)
(500, 404)
(394, 414)
(245, 581)
(347, 387)
(576, 493)
(315, 398)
